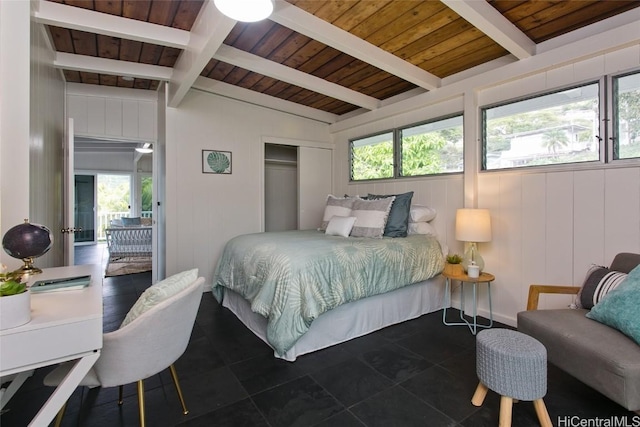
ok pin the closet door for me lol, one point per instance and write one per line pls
(314, 184)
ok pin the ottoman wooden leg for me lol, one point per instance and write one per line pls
(479, 395)
(506, 403)
(541, 411)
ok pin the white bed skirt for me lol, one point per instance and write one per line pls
(350, 320)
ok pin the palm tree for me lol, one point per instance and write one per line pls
(554, 139)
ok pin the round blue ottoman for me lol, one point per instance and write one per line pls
(513, 365)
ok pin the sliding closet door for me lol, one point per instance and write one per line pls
(314, 181)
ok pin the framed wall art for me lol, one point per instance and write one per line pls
(214, 161)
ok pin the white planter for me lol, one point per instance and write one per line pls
(15, 310)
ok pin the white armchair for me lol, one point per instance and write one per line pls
(153, 336)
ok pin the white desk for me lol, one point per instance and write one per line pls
(65, 325)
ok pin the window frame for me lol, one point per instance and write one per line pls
(397, 150)
(600, 82)
(394, 166)
(612, 119)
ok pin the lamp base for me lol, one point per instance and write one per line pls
(472, 256)
(28, 267)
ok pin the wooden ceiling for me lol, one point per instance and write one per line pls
(326, 56)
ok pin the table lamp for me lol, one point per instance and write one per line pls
(473, 226)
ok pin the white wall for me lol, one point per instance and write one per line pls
(104, 162)
(549, 224)
(112, 113)
(14, 117)
(203, 211)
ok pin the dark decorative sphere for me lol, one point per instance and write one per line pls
(27, 240)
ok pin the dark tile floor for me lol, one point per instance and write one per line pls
(418, 373)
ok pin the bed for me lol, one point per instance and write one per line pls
(301, 291)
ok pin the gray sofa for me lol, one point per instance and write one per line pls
(594, 353)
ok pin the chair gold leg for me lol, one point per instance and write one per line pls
(120, 400)
(506, 404)
(479, 395)
(141, 402)
(543, 414)
(60, 415)
(174, 375)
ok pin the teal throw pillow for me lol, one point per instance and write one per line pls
(159, 292)
(398, 220)
(619, 308)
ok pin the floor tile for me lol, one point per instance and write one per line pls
(240, 414)
(301, 402)
(396, 407)
(396, 363)
(351, 381)
(444, 391)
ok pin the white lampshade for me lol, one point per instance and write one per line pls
(245, 10)
(473, 225)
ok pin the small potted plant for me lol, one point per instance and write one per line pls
(15, 300)
(454, 265)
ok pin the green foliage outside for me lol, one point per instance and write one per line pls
(629, 114)
(113, 193)
(147, 194)
(372, 161)
(422, 154)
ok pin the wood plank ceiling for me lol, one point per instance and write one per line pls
(332, 56)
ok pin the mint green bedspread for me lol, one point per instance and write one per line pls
(292, 277)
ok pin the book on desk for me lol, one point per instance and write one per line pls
(62, 284)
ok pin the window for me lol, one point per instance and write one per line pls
(432, 148)
(372, 157)
(556, 128)
(429, 148)
(626, 116)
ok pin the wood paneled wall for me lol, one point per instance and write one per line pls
(46, 167)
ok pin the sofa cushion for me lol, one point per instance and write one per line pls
(131, 222)
(620, 308)
(596, 354)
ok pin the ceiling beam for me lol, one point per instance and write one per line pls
(307, 24)
(207, 34)
(260, 99)
(254, 63)
(487, 19)
(69, 61)
(76, 18)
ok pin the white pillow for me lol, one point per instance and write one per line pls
(336, 206)
(371, 216)
(420, 213)
(340, 225)
(421, 228)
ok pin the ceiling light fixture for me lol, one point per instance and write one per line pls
(145, 149)
(245, 10)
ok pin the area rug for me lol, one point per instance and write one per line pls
(131, 266)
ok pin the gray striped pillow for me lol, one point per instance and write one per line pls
(598, 283)
(371, 216)
(336, 206)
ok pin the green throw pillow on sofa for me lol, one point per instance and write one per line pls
(619, 308)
